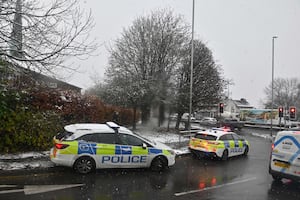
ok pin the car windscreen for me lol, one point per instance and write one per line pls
(146, 139)
(203, 136)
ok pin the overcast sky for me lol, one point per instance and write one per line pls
(239, 33)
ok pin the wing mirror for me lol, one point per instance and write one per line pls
(144, 146)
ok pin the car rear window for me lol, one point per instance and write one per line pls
(63, 134)
(205, 136)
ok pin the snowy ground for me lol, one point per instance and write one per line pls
(33, 160)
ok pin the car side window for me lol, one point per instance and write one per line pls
(130, 140)
(87, 138)
(236, 137)
(229, 136)
(105, 138)
(223, 138)
(226, 137)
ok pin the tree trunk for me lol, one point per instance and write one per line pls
(161, 114)
(134, 119)
(145, 114)
(178, 121)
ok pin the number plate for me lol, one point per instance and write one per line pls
(281, 164)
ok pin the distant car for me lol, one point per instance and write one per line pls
(285, 156)
(219, 143)
(174, 116)
(185, 117)
(231, 123)
(208, 121)
(87, 147)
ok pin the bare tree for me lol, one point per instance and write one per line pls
(286, 93)
(43, 34)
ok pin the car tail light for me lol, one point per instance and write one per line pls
(61, 146)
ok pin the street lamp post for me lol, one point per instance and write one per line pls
(192, 66)
(272, 101)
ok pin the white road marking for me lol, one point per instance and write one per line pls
(35, 189)
(214, 187)
(11, 191)
(7, 186)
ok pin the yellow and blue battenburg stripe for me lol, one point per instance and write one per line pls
(88, 148)
(109, 149)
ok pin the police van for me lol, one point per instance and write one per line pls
(89, 146)
(285, 155)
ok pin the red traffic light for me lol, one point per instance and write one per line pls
(280, 111)
(221, 107)
(292, 112)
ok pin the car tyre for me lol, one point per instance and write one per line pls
(246, 151)
(159, 164)
(276, 178)
(84, 165)
(224, 155)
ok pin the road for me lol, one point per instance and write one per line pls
(238, 178)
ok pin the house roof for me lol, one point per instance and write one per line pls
(242, 103)
(47, 80)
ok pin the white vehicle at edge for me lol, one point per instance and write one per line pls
(285, 155)
(87, 147)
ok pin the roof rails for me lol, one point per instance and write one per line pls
(113, 126)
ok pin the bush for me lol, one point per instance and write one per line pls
(24, 130)
(30, 119)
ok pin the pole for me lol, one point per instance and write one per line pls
(272, 101)
(192, 66)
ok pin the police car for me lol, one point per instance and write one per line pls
(87, 147)
(218, 142)
(285, 155)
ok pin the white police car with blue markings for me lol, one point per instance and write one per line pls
(87, 147)
(285, 155)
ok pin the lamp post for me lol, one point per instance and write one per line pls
(192, 66)
(272, 101)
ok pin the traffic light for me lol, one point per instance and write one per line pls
(221, 107)
(280, 111)
(292, 112)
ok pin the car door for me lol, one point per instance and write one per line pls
(134, 153)
(228, 143)
(238, 145)
(106, 150)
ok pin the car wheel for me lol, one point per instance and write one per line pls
(84, 165)
(246, 151)
(224, 155)
(276, 178)
(159, 164)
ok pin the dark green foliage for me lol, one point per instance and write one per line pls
(23, 130)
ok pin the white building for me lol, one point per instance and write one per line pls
(232, 107)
